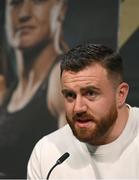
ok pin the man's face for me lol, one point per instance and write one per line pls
(28, 22)
(90, 103)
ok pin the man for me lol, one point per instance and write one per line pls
(102, 135)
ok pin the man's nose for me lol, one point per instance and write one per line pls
(80, 105)
(25, 10)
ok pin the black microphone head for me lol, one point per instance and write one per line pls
(63, 158)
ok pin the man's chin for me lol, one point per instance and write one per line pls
(83, 135)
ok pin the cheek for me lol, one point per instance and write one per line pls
(101, 107)
(68, 108)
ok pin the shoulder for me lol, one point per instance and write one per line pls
(134, 112)
(133, 109)
(134, 116)
(50, 147)
(66, 130)
(57, 140)
(53, 146)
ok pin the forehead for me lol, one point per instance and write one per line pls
(92, 75)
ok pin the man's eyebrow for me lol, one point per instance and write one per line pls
(90, 87)
(66, 90)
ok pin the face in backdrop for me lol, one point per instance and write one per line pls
(30, 22)
(90, 102)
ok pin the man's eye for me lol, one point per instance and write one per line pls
(90, 93)
(69, 96)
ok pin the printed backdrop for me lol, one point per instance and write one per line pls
(112, 22)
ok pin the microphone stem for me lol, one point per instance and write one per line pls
(48, 175)
(59, 161)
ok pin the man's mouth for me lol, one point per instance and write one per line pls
(83, 123)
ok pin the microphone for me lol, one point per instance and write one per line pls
(59, 161)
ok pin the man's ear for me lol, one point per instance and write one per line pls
(122, 93)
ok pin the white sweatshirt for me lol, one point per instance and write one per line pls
(117, 160)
